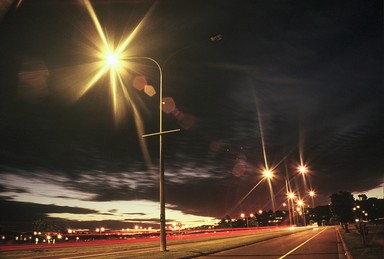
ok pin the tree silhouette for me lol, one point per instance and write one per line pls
(342, 208)
(46, 225)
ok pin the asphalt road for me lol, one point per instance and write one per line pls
(314, 244)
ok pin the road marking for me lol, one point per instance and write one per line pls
(306, 241)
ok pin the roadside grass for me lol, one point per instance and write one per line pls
(177, 248)
(354, 242)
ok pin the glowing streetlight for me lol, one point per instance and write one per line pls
(312, 193)
(291, 195)
(300, 204)
(302, 169)
(99, 230)
(113, 61)
(242, 215)
(268, 174)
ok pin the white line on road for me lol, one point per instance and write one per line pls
(306, 241)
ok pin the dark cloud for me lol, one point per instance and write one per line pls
(20, 215)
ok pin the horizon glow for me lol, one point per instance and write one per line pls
(51, 192)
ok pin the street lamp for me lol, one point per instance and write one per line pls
(113, 60)
(268, 174)
(252, 220)
(99, 230)
(113, 55)
(312, 194)
(291, 196)
(302, 169)
(300, 204)
(163, 244)
(242, 215)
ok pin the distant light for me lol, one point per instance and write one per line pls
(291, 195)
(268, 174)
(302, 169)
(312, 193)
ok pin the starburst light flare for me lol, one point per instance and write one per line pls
(108, 60)
(112, 59)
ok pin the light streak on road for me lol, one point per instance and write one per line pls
(306, 241)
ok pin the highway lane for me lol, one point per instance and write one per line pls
(319, 243)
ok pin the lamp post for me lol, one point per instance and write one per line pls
(163, 240)
(112, 56)
(244, 217)
(99, 230)
(113, 60)
(312, 194)
(301, 205)
(268, 174)
(291, 197)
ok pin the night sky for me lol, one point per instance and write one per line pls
(303, 79)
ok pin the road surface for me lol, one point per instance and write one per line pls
(319, 243)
